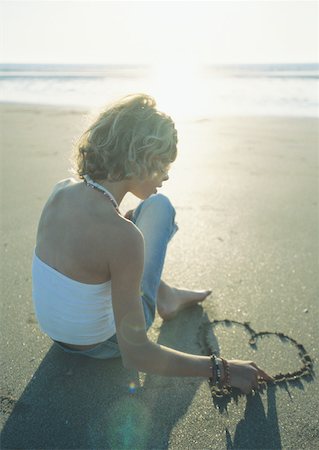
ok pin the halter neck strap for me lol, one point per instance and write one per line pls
(88, 180)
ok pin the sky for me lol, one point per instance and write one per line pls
(159, 32)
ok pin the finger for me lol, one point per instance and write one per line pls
(255, 384)
(254, 380)
(246, 391)
(251, 390)
(264, 375)
(248, 388)
(261, 373)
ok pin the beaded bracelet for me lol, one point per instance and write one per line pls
(212, 379)
(226, 380)
(216, 371)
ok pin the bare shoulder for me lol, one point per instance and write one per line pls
(126, 252)
(128, 241)
(63, 183)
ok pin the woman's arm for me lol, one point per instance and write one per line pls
(137, 350)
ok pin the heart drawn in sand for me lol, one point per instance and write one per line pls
(209, 344)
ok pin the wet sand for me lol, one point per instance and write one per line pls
(246, 198)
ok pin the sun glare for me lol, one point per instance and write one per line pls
(176, 87)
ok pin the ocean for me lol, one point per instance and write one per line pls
(184, 92)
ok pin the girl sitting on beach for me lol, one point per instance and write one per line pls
(96, 274)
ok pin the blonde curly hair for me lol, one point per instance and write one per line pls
(130, 138)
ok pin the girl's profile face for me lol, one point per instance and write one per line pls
(143, 189)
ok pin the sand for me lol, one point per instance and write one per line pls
(246, 198)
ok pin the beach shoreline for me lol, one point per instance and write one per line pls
(88, 108)
(235, 89)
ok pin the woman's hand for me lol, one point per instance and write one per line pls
(245, 375)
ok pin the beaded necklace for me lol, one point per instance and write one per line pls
(89, 182)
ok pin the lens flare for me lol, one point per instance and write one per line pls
(132, 387)
(127, 424)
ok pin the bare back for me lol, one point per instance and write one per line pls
(77, 231)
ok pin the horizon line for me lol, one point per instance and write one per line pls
(149, 64)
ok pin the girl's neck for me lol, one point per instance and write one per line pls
(117, 188)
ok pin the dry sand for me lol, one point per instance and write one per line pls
(246, 196)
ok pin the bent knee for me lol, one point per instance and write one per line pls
(156, 213)
(159, 201)
(156, 208)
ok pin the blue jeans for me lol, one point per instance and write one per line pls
(155, 217)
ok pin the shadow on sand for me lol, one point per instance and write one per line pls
(258, 429)
(74, 402)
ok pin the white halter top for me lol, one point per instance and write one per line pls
(69, 311)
